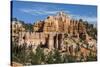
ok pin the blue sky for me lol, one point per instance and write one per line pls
(30, 12)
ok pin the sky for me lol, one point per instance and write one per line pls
(31, 12)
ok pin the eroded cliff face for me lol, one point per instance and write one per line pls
(60, 23)
(52, 32)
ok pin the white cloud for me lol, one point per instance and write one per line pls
(40, 12)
